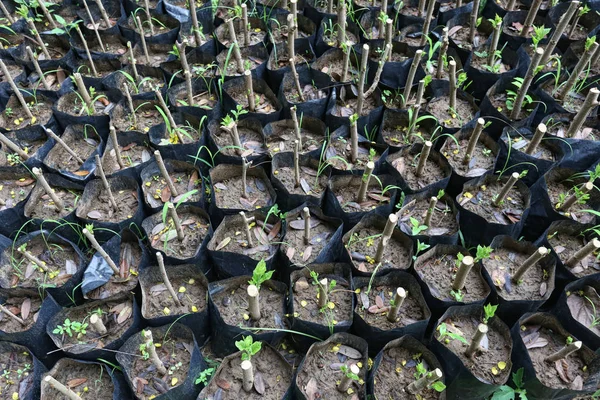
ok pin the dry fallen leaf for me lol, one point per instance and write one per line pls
(223, 243)
(124, 315)
(25, 308)
(73, 383)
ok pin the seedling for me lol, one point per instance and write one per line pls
(166, 113)
(396, 303)
(16, 91)
(446, 336)
(88, 232)
(148, 350)
(362, 94)
(13, 147)
(249, 91)
(526, 83)
(428, 380)
(86, 48)
(475, 344)
(31, 258)
(341, 23)
(205, 376)
(489, 311)
(186, 71)
(580, 196)
(248, 347)
(64, 390)
(70, 327)
(364, 184)
(535, 141)
(259, 276)
(532, 260)
(100, 171)
(591, 247)
(350, 375)
(570, 348)
(416, 227)
(235, 46)
(133, 64)
(386, 236)
(507, 392)
(6, 13)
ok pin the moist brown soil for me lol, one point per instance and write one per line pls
(484, 363)
(232, 304)
(157, 55)
(321, 373)
(282, 139)
(362, 247)
(17, 377)
(406, 165)
(347, 108)
(71, 104)
(333, 68)
(262, 104)
(157, 192)
(283, 60)
(56, 53)
(481, 63)
(575, 212)
(542, 342)
(565, 246)
(117, 317)
(228, 193)
(126, 201)
(232, 67)
(26, 308)
(579, 33)
(146, 116)
(58, 158)
(31, 147)
(395, 57)
(480, 202)
(294, 247)
(439, 273)
(204, 100)
(342, 147)
(503, 264)
(482, 160)
(310, 185)
(164, 237)
(461, 38)
(129, 261)
(542, 152)
(256, 36)
(347, 195)
(13, 70)
(268, 367)
(233, 239)
(559, 129)
(13, 191)
(309, 92)
(61, 260)
(252, 142)
(306, 306)
(190, 293)
(17, 118)
(499, 103)
(112, 45)
(397, 135)
(443, 220)
(101, 25)
(92, 377)
(373, 308)
(456, 118)
(331, 38)
(132, 155)
(280, 33)
(396, 371)
(176, 357)
(46, 210)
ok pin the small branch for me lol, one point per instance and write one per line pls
(572, 199)
(399, 298)
(535, 6)
(16, 90)
(40, 177)
(236, 47)
(422, 383)
(294, 12)
(33, 259)
(388, 35)
(13, 147)
(94, 27)
(491, 59)
(248, 375)
(253, 302)
(296, 163)
(354, 138)
(381, 24)
(531, 72)
(83, 92)
(249, 91)
(364, 184)
(473, 140)
(130, 103)
(165, 174)
(6, 13)
(362, 75)
(65, 391)
(151, 349)
(165, 278)
(411, 76)
(511, 5)
(591, 101)
(292, 56)
(432, 203)
(322, 293)
(247, 221)
(535, 141)
(419, 98)
(149, 16)
(591, 247)
(564, 352)
(346, 62)
(195, 25)
(97, 324)
(143, 38)
(103, 13)
(421, 8)
(116, 147)
(245, 166)
(596, 57)
(560, 28)
(473, 21)
(245, 25)
(64, 146)
(37, 68)
(12, 316)
(341, 22)
(482, 330)
(232, 129)
(380, 65)
(176, 221)
(506, 189)
(427, 22)
(463, 272)
(38, 38)
(425, 150)
(92, 239)
(346, 381)
(306, 217)
(388, 230)
(579, 67)
(442, 53)
(575, 22)
(167, 112)
(136, 76)
(296, 126)
(531, 261)
(86, 48)
(186, 70)
(109, 192)
(453, 89)
(329, 6)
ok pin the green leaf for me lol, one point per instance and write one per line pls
(504, 393)
(438, 386)
(185, 196)
(517, 378)
(255, 347)
(60, 19)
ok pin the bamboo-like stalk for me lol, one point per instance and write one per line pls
(64, 146)
(186, 70)
(149, 16)
(40, 177)
(473, 21)
(105, 183)
(245, 25)
(427, 22)
(253, 302)
(94, 27)
(346, 381)
(16, 90)
(136, 76)
(116, 147)
(292, 56)
(306, 217)
(491, 60)
(388, 231)
(12, 316)
(249, 91)
(143, 39)
(399, 298)
(38, 38)
(151, 349)
(591, 246)
(453, 88)
(482, 330)
(430, 210)
(565, 351)
(341, 22)
(473, 140)
(47, 14)
(511, 5)
(354, 138)
(13, 147)
(167, 112)
(195, 25)
(65, 391)
(247, 221)
(297, 130)
(560, 28)
(92, 239)
(425, 150)
(130, 103)
(322, 293)
(364, 184)
(87, 50)
(346, 62)
(425, 381)
(579, 67)
(591, 101)
(37, 68)
(329, 6)
(245, 166)
(506, 189)
(572, 199)
(296, 163)
(527, 80)
(33, 259)
(97, 324)
(165, 278)
(83, 92)
(535, 6)
(463, 271)
(247, 375)
(442, 53)
(232, 129)
(103, 13)
(411, 76)
(362, 75)
(575, 22)
(596, 57)
(176, 221)
(530, 262)
(535, 141)
(6, 13)
(165, 174)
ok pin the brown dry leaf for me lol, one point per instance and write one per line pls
(577, 383)
(94, 215)
(248, 205)
(223, 384)
(25, 182)
(259, 383)
(70, 267)
(274, 231)
(350, 352)
(305, 186)
(223, 243)
(379, 301)
(193, 178)
(563, 370)
(364, 298)
(60, 75)
(298, 224)
(454, 29)
(165, 194)
(290, 252)
(124, 315)
(82, 173)
(311, 389)
(25, 308)
(581, 308)
(261, 236)
(307, 253)
(28, 271)
(73, 383)
(539, 342)
(543, 289)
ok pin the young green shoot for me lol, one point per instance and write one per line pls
(566, 351)
(247, 221)
(386, 236)
(350, 375)
(364, 183)
(16, 91)
(590, 247)
(506, 392)
(66, 147)
(109, 193)
(151, 351)
(248, 347)
(259, 276)
(430, 379)
(425, 151)
(165, 278)
(527, 80)
(580, 13)
(396, 304)
(475, 344)
(591, 101)
(510, 182)
(88, 233)
(64, 390)
(532, 260)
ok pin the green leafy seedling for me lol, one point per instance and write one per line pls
(260, 274)
(506, 392)
(248, 347)
(490, 311)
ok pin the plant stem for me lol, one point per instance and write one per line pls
(341, 22)
(149, 16)
(511, 5)
(165, 174)
(535, 141)
(491, 60)
(12, 316)
(381, 23)
(130, 103)
(38, 38)
(186, 70)
(442, 54)
(85, 95)
(165, 278)
(473, 21)
(596, 57)
(13, 147)
(296, 164)
(579, 67)
(399, 298)
(40, 177)
(463, 271)
(346, 381)
(510, 182)
(421, 8)
(92, 239)
(65, 391)
(388, 231)
(294, 12)
(388, 35)
(97, 324)
(535, 6)
(531, 261)
(47, 14)
(423, 382)
(419, 97)
(245, 166)
(248, 375)
(522, 92)
(432, 203)
(167, 112)
(354, 138)
(232, 129)
(151, 349)
(346, 61)
(38, 70)
(9, 17)
(109, 192)
(116, 147)
(572, 199)
(575, 22)
(322, 293)
(306, 217)
(16, 90)
(143, 38)
(247, 221)
(425, 150)
(564, 352)
(480, 333)
(297, 131)
(560, 28)
(292, 56)
(176, 221)
(94, 27)
(330, 7)
(591, 246)
(195, 25)
(87, 49)
(64, 146)
(387, 50)
(427, 22)
(411, 76)
(452, 65)
(253, 302)
(249, 91)
(591, 100)
(245, 25)
(362, 74)
(473, 140)
(33, 259)
(136, 76)
(364, 184)
(103, 13)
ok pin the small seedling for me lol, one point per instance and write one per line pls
(205, 376)
(248, 347)
(446, 336)
(427, 380)
(69, 327)
(506, 392)
(416, 227)
(350, 375)
(489, 311)
(148, 350)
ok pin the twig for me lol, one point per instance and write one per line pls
(85, 95)
(247, 221)
(591, 247)
(535, 141)
(463, 271)
(136, 76)
(364, 184)
(388, 230)
(97, 324)
(296, 163)
(92, 239)
(245, 166)
(87, 49)
(13, 146)
(186, 70)
(591, 101)
(109, 192)
(574, 77)
(427, 22)
(473, 140)
(473, 21)
(30, 257)
(482, 330)
(249, 91)
(253, 302)
(7, 14)
(245, 25)
(425, 150)
(453, 89)
(247, 375)
(40, 177)
(64, 146)
(143, 38)
(297, 130)
(94, 26)
(37, 68)
(430, 210)
(529, 75)
(149, 16)
(292, 56)
(15, 90)
(442, 53)
(151, 349)
(411, 76)
(176, 221)
(531, 261)
(565, 352)
(53, 383)
(11, 315)
(506, 189)
(165, 174)
(341, 22)
(535, 6)
(560, 28)
(236, 48)
(165, 278)
(38, 38)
